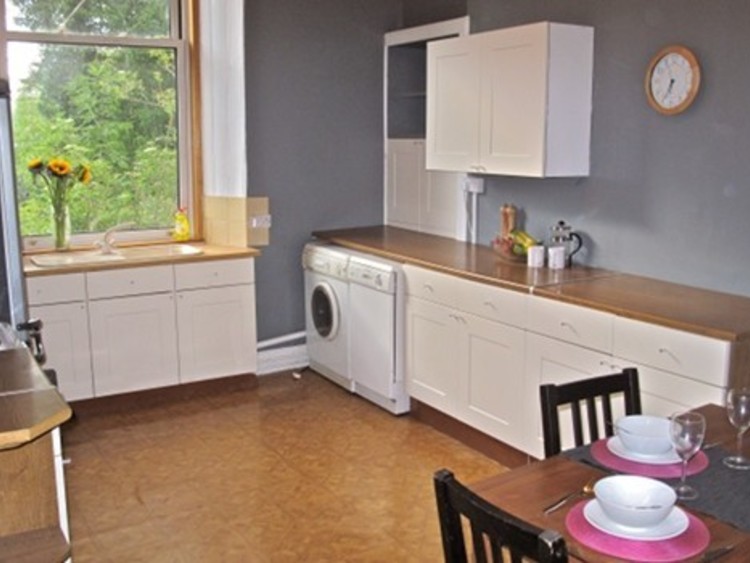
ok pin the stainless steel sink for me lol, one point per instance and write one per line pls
(129, 254)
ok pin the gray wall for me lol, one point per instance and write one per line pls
(314, 73)
(668, 197)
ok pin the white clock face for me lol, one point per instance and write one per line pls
(671, 80)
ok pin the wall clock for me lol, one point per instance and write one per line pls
(672, 80)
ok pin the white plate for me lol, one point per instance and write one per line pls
(615, 445)
(672, 526)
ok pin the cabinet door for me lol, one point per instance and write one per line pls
(431, 359)
(493, 380)
(405, 176)
(552, 361)
(133, 343)
(453, 83)
(513, 100)
(66, 340)
(216, 332)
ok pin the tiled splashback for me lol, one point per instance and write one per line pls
(228, 221)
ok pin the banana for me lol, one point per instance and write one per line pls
(524, 239)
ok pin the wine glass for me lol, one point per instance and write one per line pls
(738, 411)
(686, 431)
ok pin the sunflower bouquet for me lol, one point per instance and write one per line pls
(59, 178)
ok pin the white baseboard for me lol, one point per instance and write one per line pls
(282, 359)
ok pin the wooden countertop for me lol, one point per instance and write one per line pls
(210, 252)
(29, 404)
(471, 261)
(700, 311)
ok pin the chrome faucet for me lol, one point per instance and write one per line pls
(107, 243)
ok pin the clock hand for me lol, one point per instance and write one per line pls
(669, 89)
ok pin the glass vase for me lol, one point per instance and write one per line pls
(61, 226)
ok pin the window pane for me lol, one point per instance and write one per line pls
(111, 108)
(139, 18)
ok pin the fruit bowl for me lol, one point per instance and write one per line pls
(503, 247)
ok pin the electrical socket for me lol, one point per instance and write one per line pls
(474, 184)
(260, 221)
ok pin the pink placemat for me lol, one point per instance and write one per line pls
(690, 543)
(601, 453)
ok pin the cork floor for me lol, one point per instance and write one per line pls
(292, 470)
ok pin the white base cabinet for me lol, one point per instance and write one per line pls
(215, 326)
(513, 101)
(133, 343)
(479, 354)
(60, 302)
(150, 326)
(66, 341)
(462, 361)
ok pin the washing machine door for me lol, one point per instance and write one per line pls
(324, 308)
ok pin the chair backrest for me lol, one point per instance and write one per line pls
(590, 392)
(492, 529)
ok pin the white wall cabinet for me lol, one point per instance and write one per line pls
(150, 327)
(60, 302)
(513, 101)
(419, 199)
(215, 319)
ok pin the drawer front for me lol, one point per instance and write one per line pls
(130, 281)
(570, 323)
(664, 393)
(490, 302)
(429, 285)
(698, 357)
(64, 288)
(214, 273)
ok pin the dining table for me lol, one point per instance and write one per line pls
(527, 490)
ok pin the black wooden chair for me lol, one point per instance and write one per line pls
(589, 392)
(492, 529)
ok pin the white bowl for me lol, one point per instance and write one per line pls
(634, 501)
(644, 434)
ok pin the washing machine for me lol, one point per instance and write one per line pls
(327, 311)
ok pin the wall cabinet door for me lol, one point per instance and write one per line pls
(216, 332)
(492, 379)
(513, 101)
(453, 93)
(66, 340)
(133, 343)
(552, 361)
(418, 199)
(432, 365)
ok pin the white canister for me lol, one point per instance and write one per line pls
(556, 257)
(535, 256)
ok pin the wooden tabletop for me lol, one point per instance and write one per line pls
(525, 492)
(29, 404)
(707, 313)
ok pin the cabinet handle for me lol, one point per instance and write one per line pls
(491, 305)
(570, 327)
(668, 352)
(429, 288)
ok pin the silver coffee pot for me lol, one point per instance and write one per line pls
(562, 234)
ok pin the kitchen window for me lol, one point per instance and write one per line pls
(102, 83)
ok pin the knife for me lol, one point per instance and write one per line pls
(714, 554)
